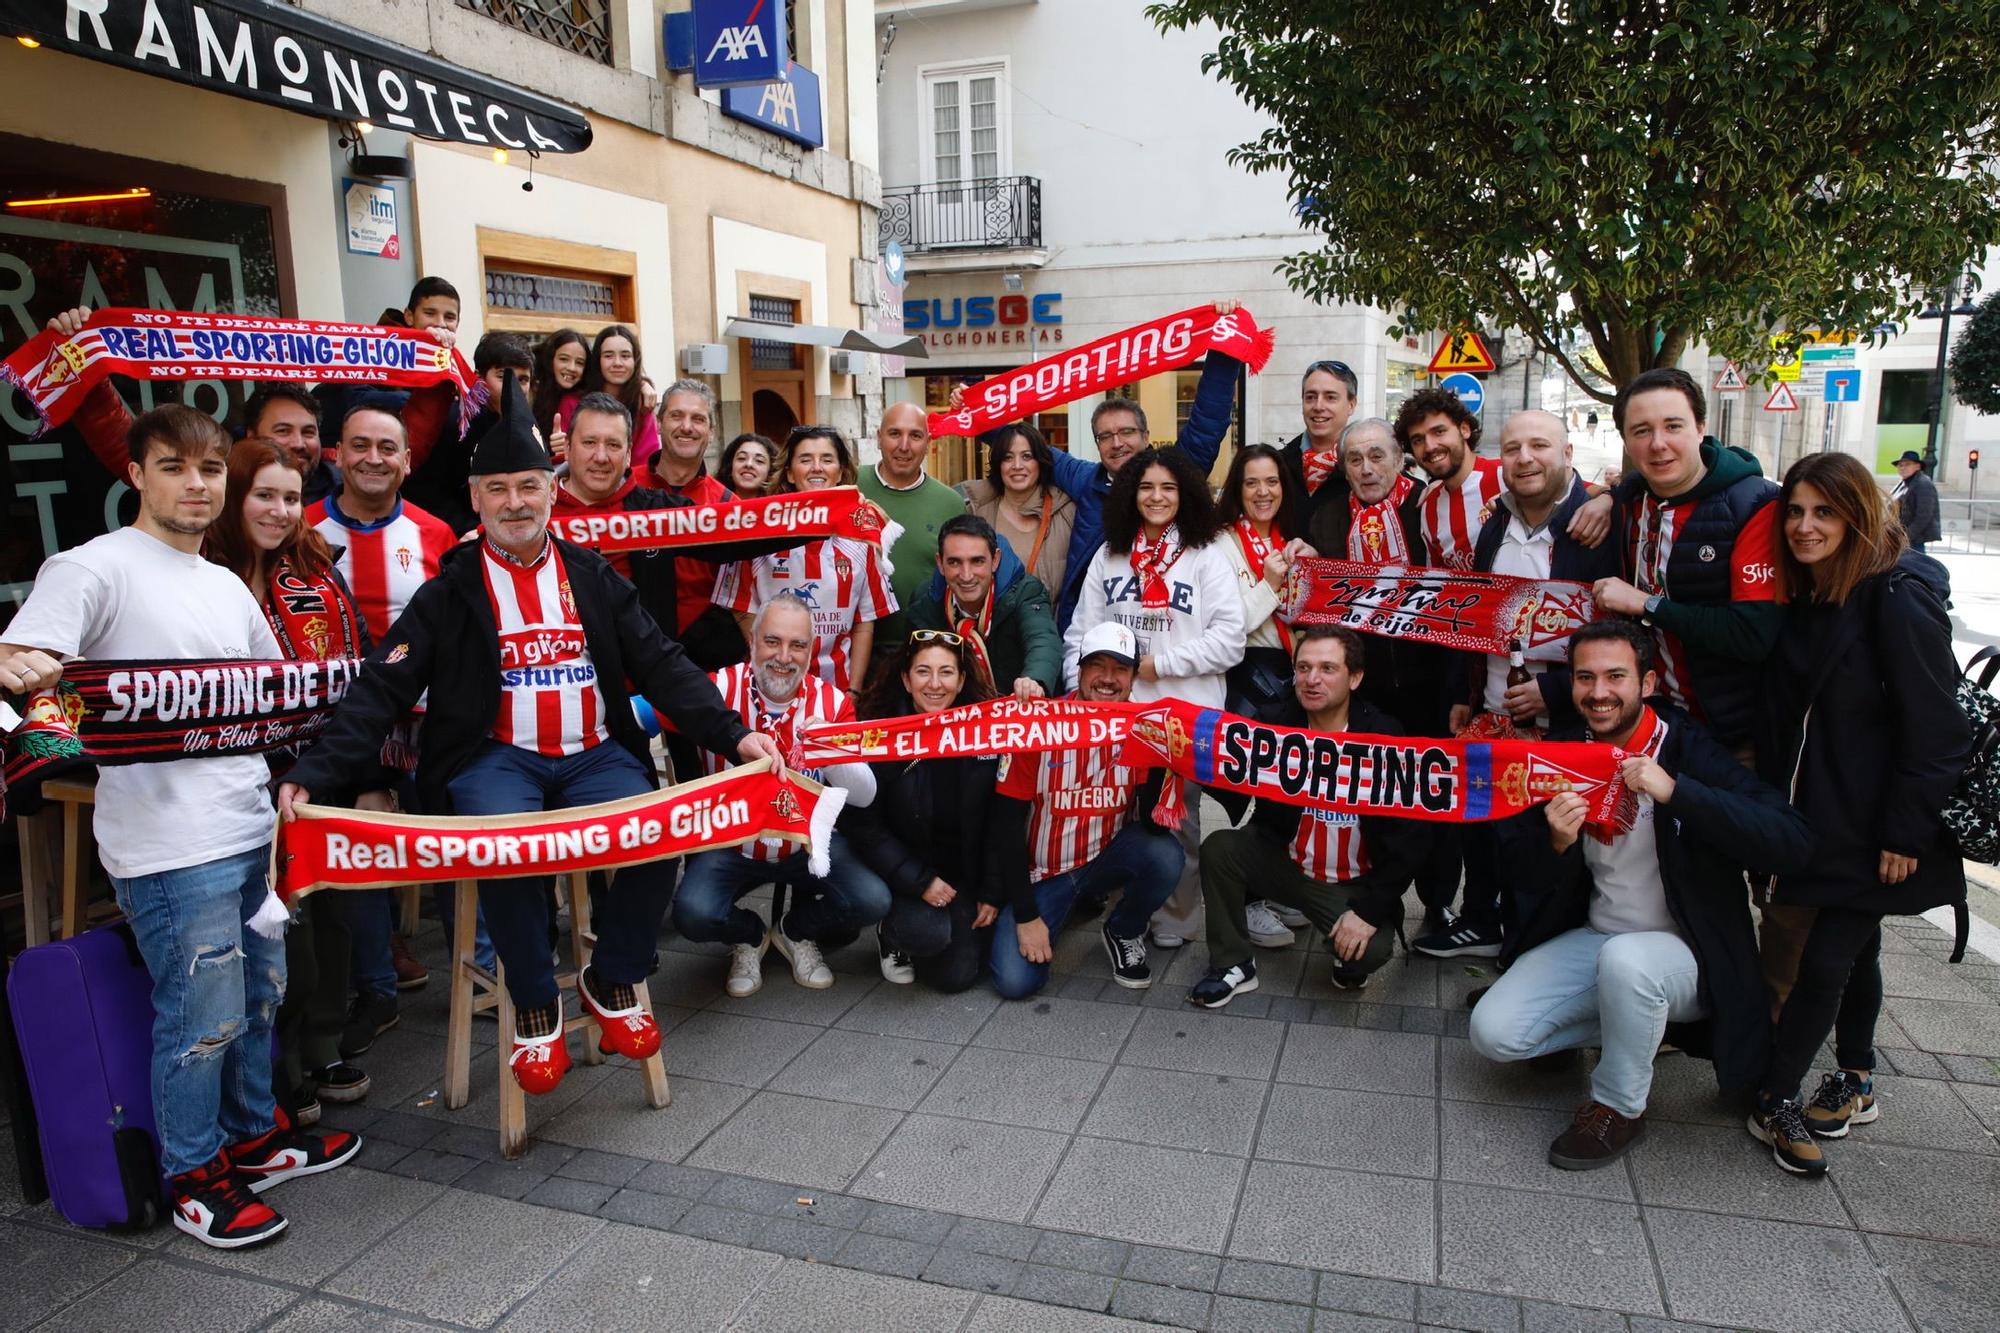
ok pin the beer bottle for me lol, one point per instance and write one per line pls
(1517, 666)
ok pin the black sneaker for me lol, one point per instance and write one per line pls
(1128, 961)
(285, 1151)
(304, 1104)
(1793, 1147)
(1436, 921)
(371, 1016)
(1348, 978)
(1462, 939)
(214, 1205)
(339, 1083)
(1223, 984)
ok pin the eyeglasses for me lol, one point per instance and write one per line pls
(943, 636)
(1122, 433)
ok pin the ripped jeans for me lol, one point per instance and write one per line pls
(216, 987)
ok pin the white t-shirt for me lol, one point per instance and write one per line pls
(130, 596)
(1525, 555)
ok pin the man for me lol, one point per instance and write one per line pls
(687, 425)
(187, 841)
(1435, 428)
(774, 694)
(533, 640)
(1697, 546)
(919, 502)
(1345, 872)
(1528, 537)
(388, 547)
(981, 590)
(1916, 501)
(1328, 394)
(1078, 824)
(1629, 928)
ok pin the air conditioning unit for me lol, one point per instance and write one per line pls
(705, 358)
(846, 363)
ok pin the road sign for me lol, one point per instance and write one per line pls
(1829, 357)
(1730, 380)
(1843, 386)
(1464, 350)
(1782, 400)
(1468, 388)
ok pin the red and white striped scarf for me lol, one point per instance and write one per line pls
(1375, 531)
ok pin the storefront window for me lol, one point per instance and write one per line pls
(1402, 379)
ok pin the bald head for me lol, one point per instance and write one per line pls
(1535, 461)
(905, 443)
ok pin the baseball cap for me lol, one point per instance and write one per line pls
(1112, 640)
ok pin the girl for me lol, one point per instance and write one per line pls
(615, 367)
(746, 464)
(559, 362)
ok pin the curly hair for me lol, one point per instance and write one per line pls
(1195, 518)
(1229, 509)
(1427, 403)
(889, 697)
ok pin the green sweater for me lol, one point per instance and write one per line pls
(921, 511)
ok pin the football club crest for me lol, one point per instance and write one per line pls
(396, 654)
(403, 557)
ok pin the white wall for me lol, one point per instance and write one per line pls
(743, 248)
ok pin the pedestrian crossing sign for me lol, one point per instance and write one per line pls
(1782, 399)
(1730, 380)
(1462, 351)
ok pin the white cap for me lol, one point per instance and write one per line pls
(1110, 639)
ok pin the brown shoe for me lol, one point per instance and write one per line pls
(1597, 1137)
(410, 974)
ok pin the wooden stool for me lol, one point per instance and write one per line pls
(409, 908)
(475, 990)
(71, 795)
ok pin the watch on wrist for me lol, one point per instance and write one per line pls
(1653, 604)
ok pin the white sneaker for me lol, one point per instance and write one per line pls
(1291, 916)
(1264, 928)
(1166, 939)
(897, 969)
(809, 967)
(746, 969)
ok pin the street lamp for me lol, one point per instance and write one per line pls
(1942, 309)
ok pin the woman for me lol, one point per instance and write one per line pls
(1019, 498)
(559, 362)
(261, 536)
(746, 464)
(1860, 723)
(1260, 512)
(1172, 585)
(924, 833)
(844, 583)
(615, 367)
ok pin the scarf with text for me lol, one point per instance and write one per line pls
(54, 374)
(1478, 613)
(1150, 563)
(1445, 781)
(1158, 345)
(997, 726)
(1256, 550)
(1375, 531)
(312, 618)
(355, 849)
(806, 515)
(1647, 738)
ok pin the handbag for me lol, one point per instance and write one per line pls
(1972, 812)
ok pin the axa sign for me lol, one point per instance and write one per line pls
(739, 42)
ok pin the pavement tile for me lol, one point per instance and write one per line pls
(799, 1140)
(166, 1298)
(1948, 1288)
(1949, 1028)
(746, 1194)
(973, 1272)
(799, 1295)
(865, 1068)
(1971, 1068)
(1367, 1295)
(440, 1168)
(1939, 1195)
(1725, 1171)
(1173, 1268)
(1288, 1009)
(1684, 1089)
(46, 1270)
(571, 1196)
(732, 1048)
(1089, 1254)
(826, 1208)
(961, 1166)
(1918, 1064)
(1335, 1013)
(1722, 1270)
(343, 1212)
(1980, 1099)
(1064, 1286)
(1001, 1314)
(628, 1278)
(1270, 1282)
(796, 1238)
(919, 1012)
(708, 1222)
(606, 1168)
(1203, 1043)
(885, 1254)
(1546, 1246)
(911, 1224)
(690, 1182)
(1382, 1017)
(1011, 1087)
(1471, 1077)
(612, 1119)
(1540, 1317)
(1240, 1314)
(1509, 1145)
(1336, 1127)
(1384, 1226)
(319, 1315)
(784, 1000)
(1156, 1196)
(1200, 1112)
(1914, 976)
(400, 1127)
(1441, 1307)
(505, 1180)
(640, 1209)
(1404, 981)
(1924, 1113)
(1002, 1239)
(1058, 1025)
(1161, 1305)
(1078, 987)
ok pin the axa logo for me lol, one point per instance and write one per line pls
(740, 43)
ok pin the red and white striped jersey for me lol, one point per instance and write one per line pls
(1452, 519)
(1078, 800)
(840, 581)
(816, 701)
(386, 561)
(550, 700)
(1328, 847)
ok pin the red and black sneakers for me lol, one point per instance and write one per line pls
(626, 1028)
(541, 1054)
(214, 1204)
(285, 1151)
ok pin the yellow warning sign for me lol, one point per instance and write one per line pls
(1462, 351)
(1787, 367)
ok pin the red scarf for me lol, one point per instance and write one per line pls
(1150, 562)
(54, 374)
(999, 726)
(1647, 738)
(974, 631)
(1256, 550)
(1375, 532)
(1473, 612)
(1162, 344)
(313, 618)
(804, 515)
(1320, 464)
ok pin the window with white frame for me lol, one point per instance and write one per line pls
(966, 125)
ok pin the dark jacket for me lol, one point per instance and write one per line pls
(1865, 732)
(1395, 847)
(1724, 640)
(1023, 640)
(905, 838)
(1722, 821)
(1570, 561)
(1917, 507)
(446, 641)
(1292, 458)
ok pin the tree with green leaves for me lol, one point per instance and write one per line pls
(1644, 176)
(1975, 360)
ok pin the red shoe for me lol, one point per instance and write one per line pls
(285, 1151)
(212, 1204)
(626, 1030)
(539, 1063)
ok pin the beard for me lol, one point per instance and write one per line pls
(777, 683)
(1628, 717)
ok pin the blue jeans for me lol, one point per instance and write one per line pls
(1586, 988)
(216, 988)
(829, 911)
(505, 779)
(1148, 863)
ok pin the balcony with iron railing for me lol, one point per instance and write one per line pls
(966, 223)
(582, 26)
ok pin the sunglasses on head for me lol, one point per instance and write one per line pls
(943, 636)
(1340, 368)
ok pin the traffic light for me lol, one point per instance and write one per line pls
(1972, 460)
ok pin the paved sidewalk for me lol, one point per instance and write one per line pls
(886, 1158)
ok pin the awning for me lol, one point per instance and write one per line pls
(826, 335)
(285, 57)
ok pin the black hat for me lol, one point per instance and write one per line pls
(1911, 456)
(510, 444)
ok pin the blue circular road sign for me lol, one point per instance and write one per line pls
(1468, 388)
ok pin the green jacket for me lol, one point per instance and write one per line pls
(1023, 640)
